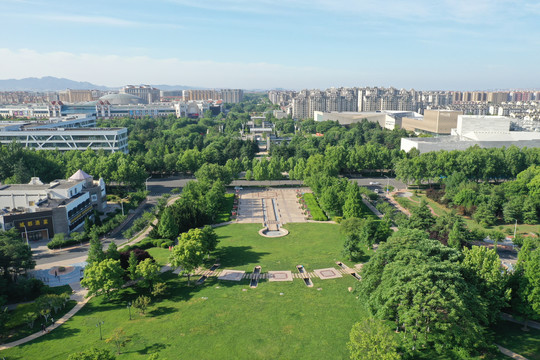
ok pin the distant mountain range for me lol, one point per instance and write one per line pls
(50, 83)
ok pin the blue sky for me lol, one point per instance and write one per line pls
(421, 44)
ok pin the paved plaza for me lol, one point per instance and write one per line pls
(252, 202)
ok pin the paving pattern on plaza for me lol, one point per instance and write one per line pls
(328, 273)
(280, 276)
(252, 203)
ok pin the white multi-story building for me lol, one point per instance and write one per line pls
(41, 210)
(483, 131)
(66, 134)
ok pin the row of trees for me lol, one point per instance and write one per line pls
(474, 163)
(18, 164)
(517, 200)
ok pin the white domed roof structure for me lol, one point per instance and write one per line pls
(122, 99)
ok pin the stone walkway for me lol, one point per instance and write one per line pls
(510, 353)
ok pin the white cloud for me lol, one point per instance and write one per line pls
(114, 70)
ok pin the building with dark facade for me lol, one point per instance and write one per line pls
(40, 210)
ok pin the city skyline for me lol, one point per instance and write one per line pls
(262, 45)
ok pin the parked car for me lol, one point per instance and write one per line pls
(374, 183)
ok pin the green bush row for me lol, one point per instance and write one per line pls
(314, 208)
(149, 243)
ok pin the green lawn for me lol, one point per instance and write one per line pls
(160, 255)
(526, 343)
(228, 320)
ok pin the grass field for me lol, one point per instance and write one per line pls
(511, 336)
(228, 320)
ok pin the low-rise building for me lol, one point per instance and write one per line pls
(483, 131)
(433, 122)
(386, 119)
(64, 133)
(41, 210)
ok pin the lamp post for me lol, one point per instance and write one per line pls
(387, 183)
(99, 325)
(25, 233)
(129, 309)
(146, 182)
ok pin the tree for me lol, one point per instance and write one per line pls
(421, 217)
(457, 235)
(30, 318)
(212, 172)
(167, 227)
(353, 203)
(512, 210)
(149, 271)
(112, 251)
(159, 289)
(92, 354)
(482, 267)
(95, 253)
(351, 228)
(189, 252)
(484, 215)
(15, 254)
(372, 340)
(141, 303)
(103, 277)
(527, 277)
(209, 239)
(119, 339)
(418, 283)
(132, 265)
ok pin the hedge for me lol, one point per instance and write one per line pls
(314, 208)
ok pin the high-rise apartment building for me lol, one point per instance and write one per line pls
(147, 93)
(233, 96)
(74, 96)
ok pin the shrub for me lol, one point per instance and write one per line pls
(139, 253)
(59, 241)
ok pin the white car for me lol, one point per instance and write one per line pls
(374, 183)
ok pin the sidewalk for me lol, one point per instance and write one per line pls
(510, 353)
(530, 323)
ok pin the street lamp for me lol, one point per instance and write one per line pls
(129, 309)
(146, 182)
(99, 325)
(25, 233)
(387, 183)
